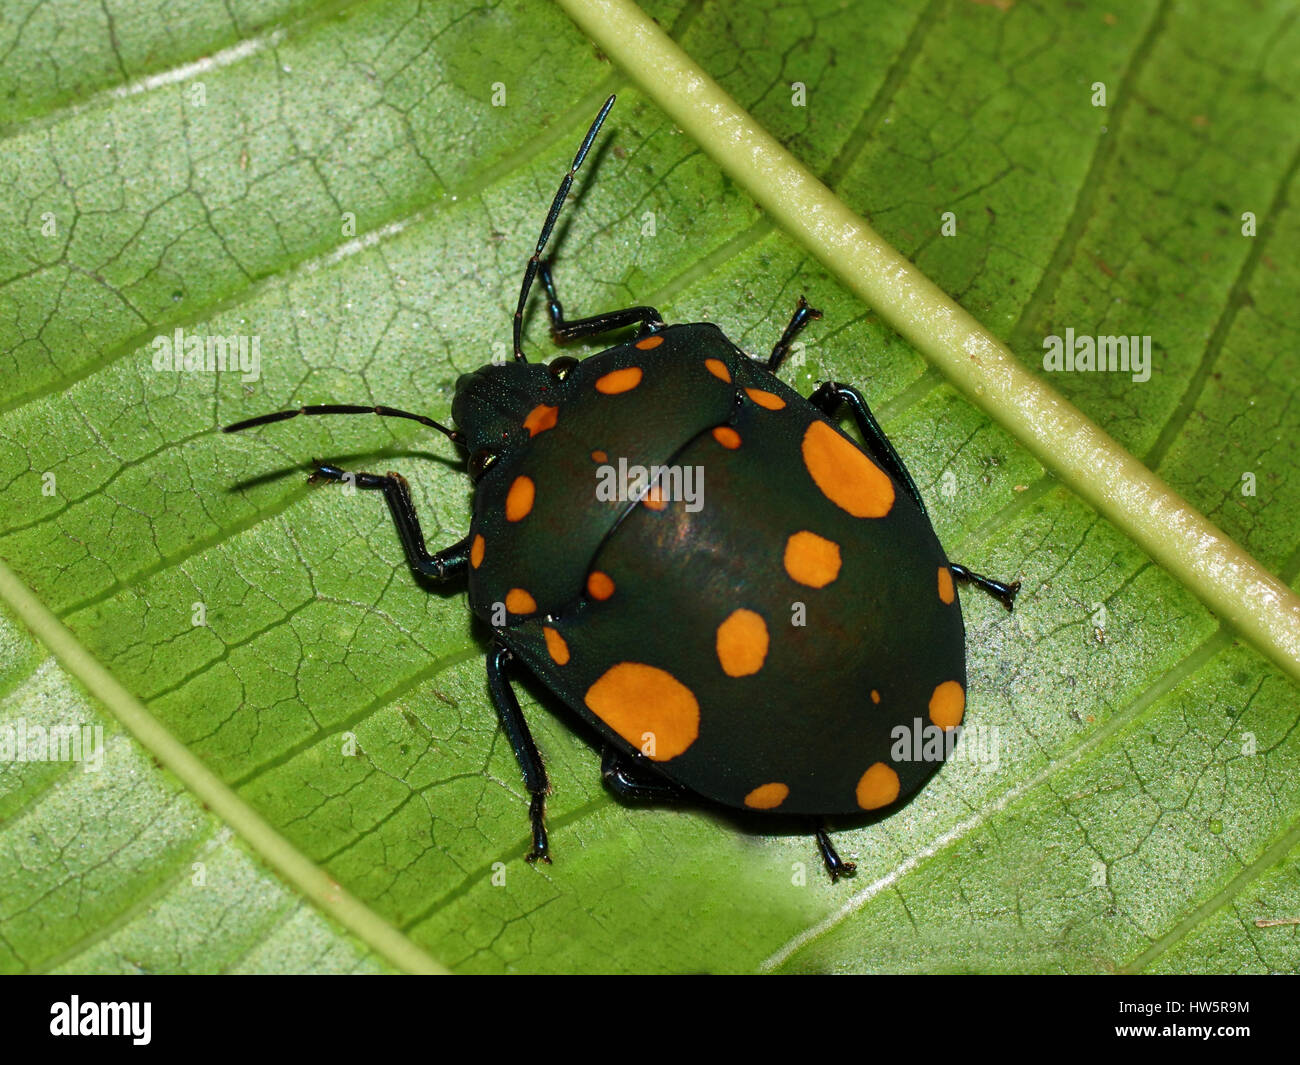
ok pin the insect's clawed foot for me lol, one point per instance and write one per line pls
(541, 851)
(1004, 593)
(323, 471)
(847, 869)
(806, 310)
(835, 865)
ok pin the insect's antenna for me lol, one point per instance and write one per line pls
(344, 408)
(551, 216)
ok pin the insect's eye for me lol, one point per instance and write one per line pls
(560, 366)
(480, 462)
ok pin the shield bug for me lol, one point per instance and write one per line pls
(739, 599)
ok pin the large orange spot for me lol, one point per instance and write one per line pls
(559, 650)
(727, 437)
(648, 707)
(945, 584)
(767, 797)
(845, 475)
(617, 381)
(599, 585)
(765, 399)
(599, 456)
(519, 500)
(476, 550)
(519, 601)
(947, 705)
(811, 559)
(878, 787)
(649, 342)
(541, 418)
(875, 696)
(718, 368)
(742, 643)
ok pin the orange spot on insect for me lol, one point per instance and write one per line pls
(946, 592)
(811, 559)
(648, 707)
(616, 381)
(649, 342)
(742, 643)
(519, 601)
(654, 498)
(875, 696)
(541, 418)
(555, 645)
(947, 705)
(476, 550)
(599, 456)
(844, 474)
(768, 400)
(727, 437)
(519, 500)
(599, 585)
(767, 796)
(719, 369)
(878, 787)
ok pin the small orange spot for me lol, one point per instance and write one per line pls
(742, 643)
(845, 475)
(727, 437)
(649, 342)
(519, 500)
(599, 585)
(947, 705)
(945, 585)
(765, 399)
(541, 418)
(878, 787)
(559, 650)
(811, 559)
(599, 456)
(875, 696)
(767, 797)
(718, 368)
(616, 381)
(654, 498)
(519, 601)
(476, 550)
(648, 707)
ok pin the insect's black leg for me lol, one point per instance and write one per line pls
(447, 563)
(828, 397)
(803, 314)
(564, 331)
(1004, 592)
(627, 781)
(835, 865)
(521, 742)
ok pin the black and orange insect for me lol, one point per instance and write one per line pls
(741, 601)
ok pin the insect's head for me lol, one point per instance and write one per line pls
(497, 407)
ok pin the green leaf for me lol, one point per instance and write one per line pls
(1143, 811)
